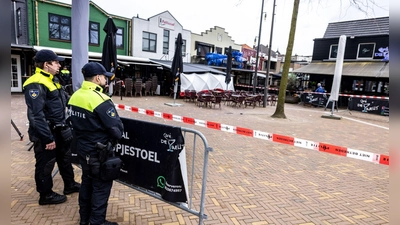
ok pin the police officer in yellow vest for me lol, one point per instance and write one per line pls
(94, 119)
(65, 76)
(46, 102)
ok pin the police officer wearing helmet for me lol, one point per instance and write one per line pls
(46, 102)
(94, 119)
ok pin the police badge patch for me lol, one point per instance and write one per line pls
(111, 112)
(34, 93)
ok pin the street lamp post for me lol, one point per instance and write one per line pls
(258, 49)
(269, 58)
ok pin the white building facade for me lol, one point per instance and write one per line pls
(155, 37)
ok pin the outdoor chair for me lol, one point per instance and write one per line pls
(128, 86)
(154, 84)
(269, 100)
(138, 88)
(274, 99)
(148, 88)
(208, 100)
(117, 87)
(200, 99)
(238, 102)
(260, 100)
(203, 99)
(250, 101)
(186, 97)
(227, 98)
(193, 95)
(217, 101)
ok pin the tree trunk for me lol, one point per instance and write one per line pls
(280, 107)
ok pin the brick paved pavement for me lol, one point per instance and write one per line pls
(250, 181)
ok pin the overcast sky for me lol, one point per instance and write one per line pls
(241, 18)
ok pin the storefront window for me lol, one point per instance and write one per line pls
(358, 85)
(366, 50)
(370, 86)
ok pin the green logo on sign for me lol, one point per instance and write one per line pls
(161, 181)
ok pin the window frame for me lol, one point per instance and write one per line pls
(218, 50)
(60, 24)
(202, 45)
(149, 40)
(18, 22)
(331, 50)
(166, 42)
(183, 46)
(372, 50)
(98, 33)
(122, 46)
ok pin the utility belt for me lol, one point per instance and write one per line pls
(106, 166)
(58, 126)
(63, 129)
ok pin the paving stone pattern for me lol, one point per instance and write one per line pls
(250, 181)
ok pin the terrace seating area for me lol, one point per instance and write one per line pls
(219, 97)
(130, 88)
(212, 99)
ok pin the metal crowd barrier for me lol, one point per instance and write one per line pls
(192, 146)
(197, 153)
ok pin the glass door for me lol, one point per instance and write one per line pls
(16, 84)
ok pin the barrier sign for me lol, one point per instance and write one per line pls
(317, 99)
(366, 105)
(151, 156)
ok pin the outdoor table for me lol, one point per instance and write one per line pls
(236, 98)
(206, 98)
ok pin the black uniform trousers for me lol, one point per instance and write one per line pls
(45, 161)
(93, 196)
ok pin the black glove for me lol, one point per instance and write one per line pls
(66, 134)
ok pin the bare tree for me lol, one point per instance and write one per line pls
(280, 107)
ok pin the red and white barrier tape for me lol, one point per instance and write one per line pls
(365, 96)
(346, 95)
(282, 139)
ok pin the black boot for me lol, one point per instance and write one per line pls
(72, 188)
(52, 198)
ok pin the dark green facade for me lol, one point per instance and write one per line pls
(39, 12)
